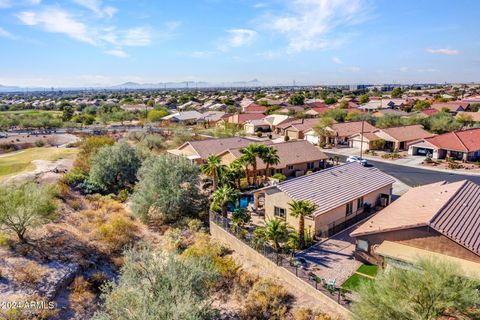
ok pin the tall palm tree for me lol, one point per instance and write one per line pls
(233, 174)
(249, 155)
(269, 156)
(302, 209)
(222, 196)
(213, 167)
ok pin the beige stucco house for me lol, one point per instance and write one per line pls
(341, 194)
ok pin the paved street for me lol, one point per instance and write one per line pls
(415, 176)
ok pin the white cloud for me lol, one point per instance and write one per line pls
(57, 21)
(448, 52)
(337, 60)
(5, 34)
(117, 53)
(238, 38)
(97, 7)
(310, 23)
(404, 69)
(137, 37)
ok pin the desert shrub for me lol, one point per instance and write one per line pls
(117, 231)
(266, 300)
(242, 283)
(39, 143)
(280, 177)
(96, 280)
(88, 148)
(194, 225)
(3, 239)
(308, 314)
(81, 296)
(74, 177)
(122, 195)
(378, 144)
(454, 165)
(158, 286)
(28, 274)
(75, 204)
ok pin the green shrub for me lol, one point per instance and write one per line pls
(39, 143)
(280, 177)
(286, 138)
(266, 300)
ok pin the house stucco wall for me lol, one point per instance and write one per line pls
(276, 198)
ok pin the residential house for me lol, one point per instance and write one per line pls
(135, 107)
(439, 220)
(341, 193)
(316, 111)
(186, 117)
(241, 118)
(460, 145)
(296, 158)
(198, 151)
(428, 112)
(296, 128)
(372, 105)
(339, 133)
(396, 138)
(452, 107)
(254, 108)
(267, 124)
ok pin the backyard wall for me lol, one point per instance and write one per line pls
(276, 271)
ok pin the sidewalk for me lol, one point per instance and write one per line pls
(409, 161)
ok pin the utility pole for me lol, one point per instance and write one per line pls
(361, 140)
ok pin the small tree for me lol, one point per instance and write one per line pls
(167, 188)
(26, 206)
(430, 290)
(115, 167)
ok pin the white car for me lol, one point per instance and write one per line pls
(363, 162)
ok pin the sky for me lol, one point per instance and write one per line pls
(109, 42)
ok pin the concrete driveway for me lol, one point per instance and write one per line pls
(332, 258)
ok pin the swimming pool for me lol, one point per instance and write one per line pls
(242, 202)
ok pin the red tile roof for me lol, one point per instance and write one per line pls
(462, 141)
(429, 112)
(452, 106)
(317, 105)
(243, 117)
(254, 108)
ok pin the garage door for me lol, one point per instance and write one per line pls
(423, 151)
(357, 144)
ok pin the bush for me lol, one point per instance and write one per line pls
(280, 177)
(28, 274)
(259, 134)
(39, 143)
(117, 232)
(74, 177)
(266, 300)
(308, 314)
(378, 144)
(81, 297)
(286, 138)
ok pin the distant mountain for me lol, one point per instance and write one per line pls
(10, 88)
(185, 84)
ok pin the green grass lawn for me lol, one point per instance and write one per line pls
(370, 270)
(32, 112)
(21, 161)
(354, 281)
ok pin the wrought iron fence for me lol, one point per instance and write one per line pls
(284, 259)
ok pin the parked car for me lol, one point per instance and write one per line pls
(362, 161)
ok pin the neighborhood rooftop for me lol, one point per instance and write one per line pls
(333, 187)
(452, 209)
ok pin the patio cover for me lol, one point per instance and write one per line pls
(397, 251)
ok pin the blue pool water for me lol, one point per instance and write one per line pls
(242, 202)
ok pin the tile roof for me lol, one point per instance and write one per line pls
(204, 148)
(429, 112)
(254, 108)
(346, 129)
(452, 209)
(184, 115)
(452, 106)
(463, 141)
(335, 186)
(291, 152)
(299, 124)
(243, 117)
(407, 133)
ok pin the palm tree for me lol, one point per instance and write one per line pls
(269, 156)
(302, 209)
(213, 167)
(222, 196)
(249, 155)
(275, 231)
(233, 174)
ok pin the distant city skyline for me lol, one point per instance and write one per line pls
(81, 43)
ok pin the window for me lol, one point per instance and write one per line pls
(279, 212)
(290, 167)
(362, 245)
(360, 203)
(279, 171)
(310, 165)
(349, 208)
